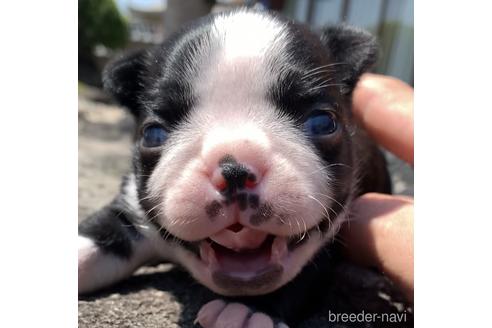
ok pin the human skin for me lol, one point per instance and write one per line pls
(380, 231)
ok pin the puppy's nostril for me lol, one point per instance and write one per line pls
(219, 182)
(250, 181)
(236, 227)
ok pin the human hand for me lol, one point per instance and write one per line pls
(380, 232)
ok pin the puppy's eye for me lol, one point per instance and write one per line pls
(154, 136)
(320, 123)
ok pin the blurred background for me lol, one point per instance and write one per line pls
(109, 26)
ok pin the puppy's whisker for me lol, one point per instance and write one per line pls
(324, 66)
(305, 229)
(323, 206)
(331, 198)
(152, 209)
(299, 229)
(149, 197)
(328, 166)
(143, 175)
(306, 77)
(326, 86)
(344, 208)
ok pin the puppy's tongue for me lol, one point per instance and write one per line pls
(243, 239)
(242, 252)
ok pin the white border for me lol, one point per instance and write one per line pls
(452, 163)
(38, 164)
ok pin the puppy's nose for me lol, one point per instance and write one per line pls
(231, 176)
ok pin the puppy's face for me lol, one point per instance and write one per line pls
(243, 153)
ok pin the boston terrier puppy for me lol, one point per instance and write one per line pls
(246, 158)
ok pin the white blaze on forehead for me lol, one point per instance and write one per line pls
(237, 73)
(247, 34)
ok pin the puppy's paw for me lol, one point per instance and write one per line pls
(219, 314)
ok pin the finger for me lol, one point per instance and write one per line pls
(234, 315)
(259, 320)
(384, 106)
(380, 233)
(208, 314)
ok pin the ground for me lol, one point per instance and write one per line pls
(165, 296)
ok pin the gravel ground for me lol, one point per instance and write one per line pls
(165, 296)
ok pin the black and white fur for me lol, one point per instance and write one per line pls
(233, 91)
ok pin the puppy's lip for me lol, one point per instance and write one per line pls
(245, 266)
(262, 279)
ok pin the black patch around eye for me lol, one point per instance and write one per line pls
(174, 101)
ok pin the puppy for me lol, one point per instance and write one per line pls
(245, 159)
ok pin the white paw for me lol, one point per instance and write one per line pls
(219, 314)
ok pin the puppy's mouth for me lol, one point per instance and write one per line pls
(241, 259)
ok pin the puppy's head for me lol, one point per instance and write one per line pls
(243, 151)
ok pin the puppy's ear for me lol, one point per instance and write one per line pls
(355, 49)
(122, 79)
